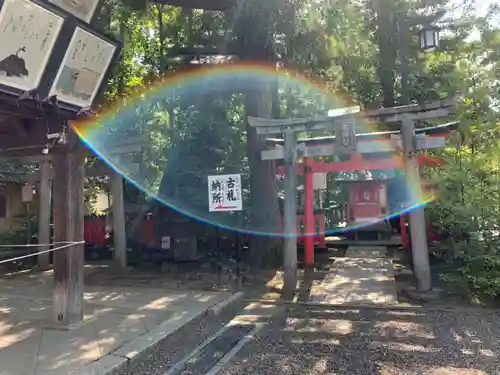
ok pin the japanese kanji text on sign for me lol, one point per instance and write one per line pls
(224, 193)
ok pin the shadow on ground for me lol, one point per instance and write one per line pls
(374, 341)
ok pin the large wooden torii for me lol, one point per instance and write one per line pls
(401, 120)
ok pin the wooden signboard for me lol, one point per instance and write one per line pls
(28, 33)
(83, 69)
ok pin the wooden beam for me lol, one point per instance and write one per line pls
(357, 164)
(30, 159)
(395, 162)
(363, 147)
(68, 226)
(14, 146)
(439, 130)
(410, 109)
(96, 170)
(383, 115)
(416, 116)
(32, 109)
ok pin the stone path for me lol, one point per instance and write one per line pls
(118, 321)
(357, 281)
(366, 252)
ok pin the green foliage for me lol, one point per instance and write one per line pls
(467, 210)
(351, 48)
(24, 231)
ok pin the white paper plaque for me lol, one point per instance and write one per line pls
(28, 33)
(82, 9)
(83, 69)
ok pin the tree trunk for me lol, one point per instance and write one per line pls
(161, 38)
(265, 250)
(386, 38)
(254, 30)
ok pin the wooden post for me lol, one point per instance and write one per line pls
(290, 216)
(44, 212)
(69, 168)
(404, 235)
(119, 231)
(418, 236)
(309, 227)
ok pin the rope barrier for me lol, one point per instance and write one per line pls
(67, 244)
(41, 244)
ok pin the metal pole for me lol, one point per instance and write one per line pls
(290, 216)
(418, 235)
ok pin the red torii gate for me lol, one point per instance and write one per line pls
(309, 166)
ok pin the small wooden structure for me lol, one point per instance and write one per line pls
(367, 201)
(46, 82)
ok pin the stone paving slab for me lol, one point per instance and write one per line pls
(114, 318)
(357, 281)
(366, 252)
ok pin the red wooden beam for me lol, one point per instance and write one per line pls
(357, 164)
(396, 162)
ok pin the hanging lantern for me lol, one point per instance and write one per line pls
(429, 38)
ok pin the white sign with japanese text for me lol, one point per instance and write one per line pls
(83, 68)
(28, 33)
(224, 193)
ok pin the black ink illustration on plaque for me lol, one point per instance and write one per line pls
(14, 65)
(28, 32)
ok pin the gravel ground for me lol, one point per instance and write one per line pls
(370, 341)
(179, 344)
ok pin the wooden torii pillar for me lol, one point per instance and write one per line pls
(41, 110)
(69, 211)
